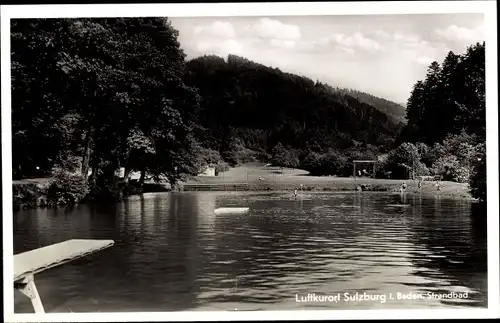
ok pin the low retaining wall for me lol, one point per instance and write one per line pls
(215, 187)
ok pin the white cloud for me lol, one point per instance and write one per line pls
(345, 43)
(315, 45)
(217, 29)
(274, 29)
(411, 48)
(418, 44)
(348, 50)
(355, 41)
(456, 33)
(424, 60)
(287, 44)
(382, 34)
(407, 38)
(228, 46)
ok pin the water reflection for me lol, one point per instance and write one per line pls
(457, 250)
(173, 253)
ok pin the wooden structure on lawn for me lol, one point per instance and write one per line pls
(372, 162)
(29, 263)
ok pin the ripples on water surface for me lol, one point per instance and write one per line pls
(173, 253)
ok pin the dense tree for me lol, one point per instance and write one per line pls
(405, 162)
(447, 111)
(450, 89)
(394, 111)
(450, 99)
(454, 157)
(104, 94)
(36, 96)
(284, 157)
(472, 103)
(477, 180)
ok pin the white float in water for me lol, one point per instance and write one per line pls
(232, 210)
(399, 205)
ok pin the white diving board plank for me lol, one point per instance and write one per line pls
(38, 260)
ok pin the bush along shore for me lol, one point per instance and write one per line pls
(29, 195)
(68, 190)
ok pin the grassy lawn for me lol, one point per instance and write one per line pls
(260, 177)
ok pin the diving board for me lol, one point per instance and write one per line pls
(29, 263)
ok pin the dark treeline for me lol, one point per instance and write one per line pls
(98, 94)
(450, 100)
(394, 110)
(90, 96)
(446, 118)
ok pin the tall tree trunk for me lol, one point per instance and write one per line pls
(143, 177)
(86, 155)
(93, 176)
(126, 175)
(20, 171)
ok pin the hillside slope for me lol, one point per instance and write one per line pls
(395, 111)
(257, 107)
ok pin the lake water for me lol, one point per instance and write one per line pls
(173, 253)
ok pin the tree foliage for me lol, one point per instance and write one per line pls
(67, 188)
(405, 162)
(108, 92)
(395, 111)
(477, 180)
(451, 99)
(447, 111)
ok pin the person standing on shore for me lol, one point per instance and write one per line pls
(438, 183)
(295, 193)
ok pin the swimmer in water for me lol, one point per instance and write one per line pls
(402, 188)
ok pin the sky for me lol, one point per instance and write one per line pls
(383, 55)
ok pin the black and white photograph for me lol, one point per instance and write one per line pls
(227, 163)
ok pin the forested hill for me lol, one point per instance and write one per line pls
(260, 106)
(394, 110)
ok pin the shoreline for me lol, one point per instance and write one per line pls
(453, 191)
(32, 194)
